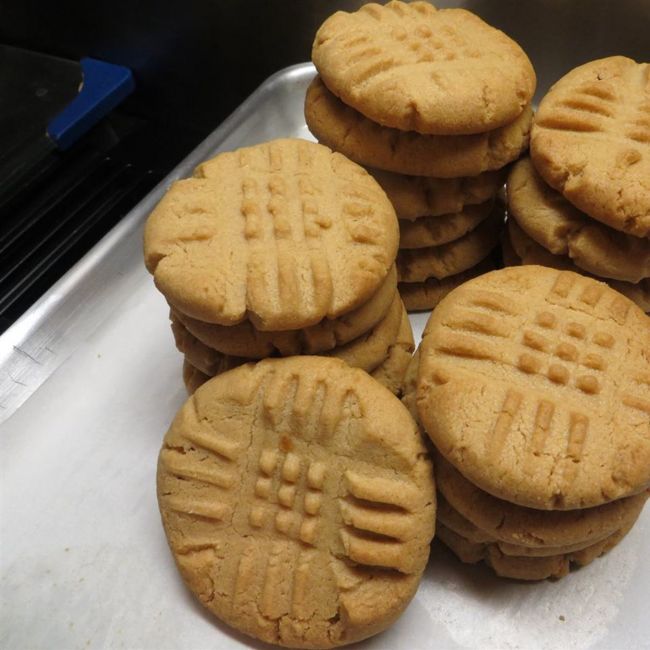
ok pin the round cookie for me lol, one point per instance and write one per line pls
(275, 480)
(591, 141)
(414, 68)
(392, 371)
(284, 233)
(458, 524)
(203, 358)
(418, 196)
(371, 349)
(367, 352)
(422, 296)
(519, 248)
(528, 527)
(547, 217)
(552, 371)
(435, 231)
(524, 568)
(405, 152)
(244, 339)
(440, 262)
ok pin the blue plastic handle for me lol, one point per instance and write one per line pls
(103, 87)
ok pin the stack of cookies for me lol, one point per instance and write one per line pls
(298, 501)
(582, 201)
(434, 104)
(280, 249)
(532, 384)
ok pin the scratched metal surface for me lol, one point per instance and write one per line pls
(91, 380)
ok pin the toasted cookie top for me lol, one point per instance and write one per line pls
(414, 68)
(534, 384)
(591, 141)
(546, 216)
(406, 152)
(285, 233)
(298, 501)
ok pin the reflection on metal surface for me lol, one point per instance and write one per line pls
(93, 290)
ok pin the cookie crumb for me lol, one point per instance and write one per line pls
(561, 618)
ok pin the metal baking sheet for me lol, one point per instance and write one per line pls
(89, 382)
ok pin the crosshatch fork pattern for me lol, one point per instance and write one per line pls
(259, 231)
(591, 141)
(375, 59)
(603, 107)
(564, 366)
(317, 509)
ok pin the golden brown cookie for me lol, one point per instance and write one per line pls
(453, 520)
(534, 384)
(512, 524)
(423, 296)
(450, 259)
(244, 339)
(367, 351)
(284, 233)
(435, 231)
(298, 501)
(414, 68)
(519, 248)
(204, 359)
(372, 348)
(392, 371)
(527, 567)
(547, 217)
(406, 152)
(418, 196)
(409, 390)
(591, 141)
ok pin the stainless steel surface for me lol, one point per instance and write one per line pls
(84, 561)
(44, 337)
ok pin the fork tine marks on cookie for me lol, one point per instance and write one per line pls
(176, 465)
(277, 582)
(589, 105)
(465, 346)
(492, 301)
(213, 442)
(397, 525)
(195, 507)
(496, 440)
(382, 490)
(372, 553)
(636, 402)
(542, 426)
(570, 465)
(478, 323)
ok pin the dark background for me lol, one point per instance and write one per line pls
(196, 60)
